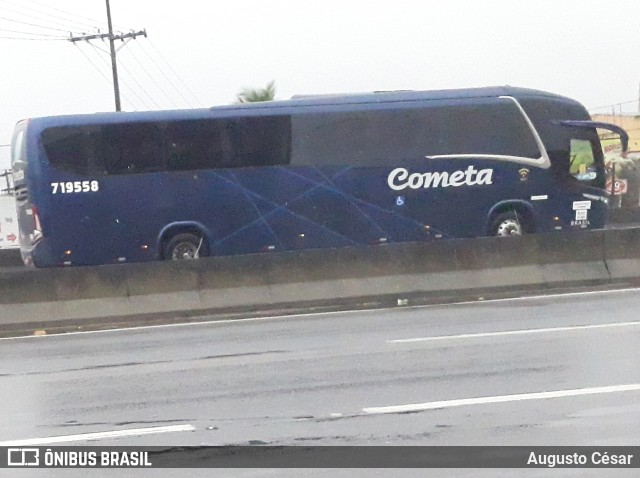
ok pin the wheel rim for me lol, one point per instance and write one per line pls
(509, 227)
(184, 251)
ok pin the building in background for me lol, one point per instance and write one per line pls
(623, 173)
(629, 122)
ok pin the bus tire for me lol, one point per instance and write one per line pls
(508, 223)
(185, 246)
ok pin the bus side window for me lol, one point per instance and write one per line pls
(260, 141)
(75, 149)
(383, 137)
(133, 148)
(193, 144)
(228, 143)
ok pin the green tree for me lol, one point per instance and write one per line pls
(251, 95)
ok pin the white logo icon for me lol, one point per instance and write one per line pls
(23, 457)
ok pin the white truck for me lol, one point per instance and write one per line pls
(8, 223)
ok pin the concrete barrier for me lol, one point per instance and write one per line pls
(321, 278)
(10, 258)
(622, 254)
(625, 215)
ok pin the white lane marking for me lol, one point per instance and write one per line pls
(98, 435)
(418, 407)
(513, 332)
(147, 327)
(336, 312)
(543, 296)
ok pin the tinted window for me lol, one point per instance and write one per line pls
(129, 148)
(132, 148)
(228, 143)
(261, 141)
(382, 137)
(197, 145)
(73, 148)
(545, 115)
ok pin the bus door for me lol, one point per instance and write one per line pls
(590, 198)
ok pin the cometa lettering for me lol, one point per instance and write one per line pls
(401, 178)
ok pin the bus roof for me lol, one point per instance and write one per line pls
(408, 95)
(297, 103)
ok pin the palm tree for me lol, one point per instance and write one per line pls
(250, 95)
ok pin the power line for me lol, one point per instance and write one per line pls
(4, 37)
(40, 18)
(127, 86)
(145, 106)
(152, 78)
(142, 89)
(165, 76)
(34, 25)
(176, 73)
(47, 17)
(104, 60)
(57, 37)
(92, 20)
(614, 104)
(83, 24)
(94, 65)
(112, 38)
(97, 48)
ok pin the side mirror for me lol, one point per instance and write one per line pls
(624, 137)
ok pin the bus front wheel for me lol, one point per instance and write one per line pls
(508, 223)
(185, 246)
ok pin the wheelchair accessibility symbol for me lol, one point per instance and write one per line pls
(400, 201)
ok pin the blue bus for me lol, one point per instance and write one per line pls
(305, 173)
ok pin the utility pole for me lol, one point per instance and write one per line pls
(112, 39)
(114, 64)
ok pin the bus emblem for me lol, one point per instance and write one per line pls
(524, 174)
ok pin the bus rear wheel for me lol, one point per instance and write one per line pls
(508, 223)
(185, 246)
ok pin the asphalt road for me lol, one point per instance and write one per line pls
(466, 374)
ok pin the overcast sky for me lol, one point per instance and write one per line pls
(201, 53)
